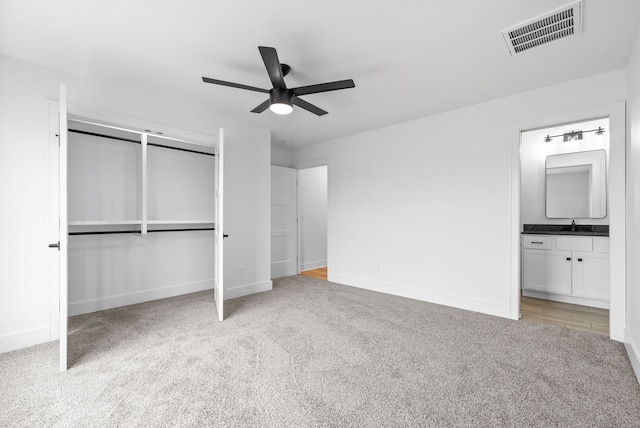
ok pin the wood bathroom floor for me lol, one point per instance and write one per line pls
(576, 317)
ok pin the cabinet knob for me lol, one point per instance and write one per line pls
(569, 258)
(579, 260)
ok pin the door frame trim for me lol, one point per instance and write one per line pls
(328, 162)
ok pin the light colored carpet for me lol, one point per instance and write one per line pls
(312, 353)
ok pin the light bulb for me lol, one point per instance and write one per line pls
(281, 108)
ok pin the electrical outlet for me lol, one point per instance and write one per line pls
(241, 271)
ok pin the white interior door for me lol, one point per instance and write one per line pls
(218, 293)
(284, 230)
(63, 228)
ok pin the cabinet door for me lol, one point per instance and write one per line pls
(591, 275)
(547, 271)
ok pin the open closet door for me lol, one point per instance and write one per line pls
(63, 225)
(218, 293)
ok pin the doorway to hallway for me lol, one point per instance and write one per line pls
(312, 218)
(319, 273)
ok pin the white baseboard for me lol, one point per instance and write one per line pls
(313, 265)
(23, 339)
(482, 306)
(247, 289)
(94, 305)
(633, 351)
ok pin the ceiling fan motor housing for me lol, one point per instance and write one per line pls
(280, 96)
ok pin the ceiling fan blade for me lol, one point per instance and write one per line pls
(262, 107)
(324, 87)
(308, 106)
(274, 69)
(234, 85)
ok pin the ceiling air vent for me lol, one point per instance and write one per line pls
(558, 24)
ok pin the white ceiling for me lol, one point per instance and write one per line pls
(408, 58)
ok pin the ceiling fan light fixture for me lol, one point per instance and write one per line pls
(281, 99)
(281, 108)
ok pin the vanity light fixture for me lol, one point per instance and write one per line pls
(574, 135)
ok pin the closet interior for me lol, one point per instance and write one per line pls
(141, 216)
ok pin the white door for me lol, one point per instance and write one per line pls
(63, 237)
(218, 293)
(284, 230)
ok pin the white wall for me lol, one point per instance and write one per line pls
(280, 157)
(422, 209)
(633, 207)
(312, 214)
(534, 151)
(25, 309)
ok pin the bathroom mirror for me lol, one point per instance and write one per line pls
(576, 185)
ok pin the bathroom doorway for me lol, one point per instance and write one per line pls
(565, 275)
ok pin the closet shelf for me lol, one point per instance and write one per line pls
(136, 222)
(136, 136)
(103, 222)
(207, 221)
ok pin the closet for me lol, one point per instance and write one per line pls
(140, 216)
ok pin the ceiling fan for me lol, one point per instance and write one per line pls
(281, 99)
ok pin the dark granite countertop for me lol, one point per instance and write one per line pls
(565, 229)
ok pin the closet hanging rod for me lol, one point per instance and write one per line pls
(95, 134)
(113, 232)
(133, 131)
(104, 232)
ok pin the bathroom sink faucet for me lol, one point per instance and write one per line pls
(573, 225)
